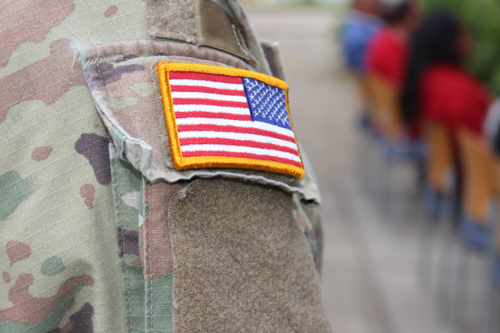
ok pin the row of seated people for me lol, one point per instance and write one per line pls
(421, 60)
(417, 90)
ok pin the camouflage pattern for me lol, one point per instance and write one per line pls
(81, 246)
(308, 217)
(132, 216)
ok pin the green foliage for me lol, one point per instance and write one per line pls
(482, 17)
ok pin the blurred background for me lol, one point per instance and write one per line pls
(394, 103)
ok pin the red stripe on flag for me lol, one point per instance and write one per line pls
(240, 143)
(218, 115)
(205, 77)
(242, 155)
(233, 129)
(200, 101)
(176, 88)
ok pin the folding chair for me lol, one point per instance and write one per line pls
(396, 147)
(365, 122)
(478, 189)
(477, 161)
(493, 284)
(386, 113)
(364, 97)
(439, 166)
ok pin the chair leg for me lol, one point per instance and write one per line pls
(381, 177)
(424, 260)
(491, 306)
(444, 267)
(403, 198)
(364, 146)
(462, 290)
(390, 169)
(428, 224)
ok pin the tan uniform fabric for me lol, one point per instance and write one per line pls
(242, 262)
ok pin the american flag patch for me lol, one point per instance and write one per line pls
(220, 117)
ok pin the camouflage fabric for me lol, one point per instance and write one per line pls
(308, 217)
(133, 216)
(83, 242)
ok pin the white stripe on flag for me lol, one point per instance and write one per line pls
(237, 136)
(200, 95)
(211, 108)
(209, 84)
(237, 123)
(237, 149)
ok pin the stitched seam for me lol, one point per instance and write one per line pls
(98, 61)
(110, 119)
(117, 176)
(150, 197)
(124, 244)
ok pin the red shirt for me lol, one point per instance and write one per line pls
(387, 56)
(451, 96)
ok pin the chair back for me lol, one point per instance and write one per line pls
(386, 107)
(479, 176)
(363, 90)
(496, 188)
(440, 156)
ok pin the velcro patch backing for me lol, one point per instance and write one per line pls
(220, 117)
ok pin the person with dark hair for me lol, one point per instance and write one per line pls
(387, 53)
(437, 87)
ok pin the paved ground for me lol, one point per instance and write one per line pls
(369, 280)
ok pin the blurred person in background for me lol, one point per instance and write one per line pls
(360, 26)
(439, 89)
(358, 30)
(437, 85)
(388, 51)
